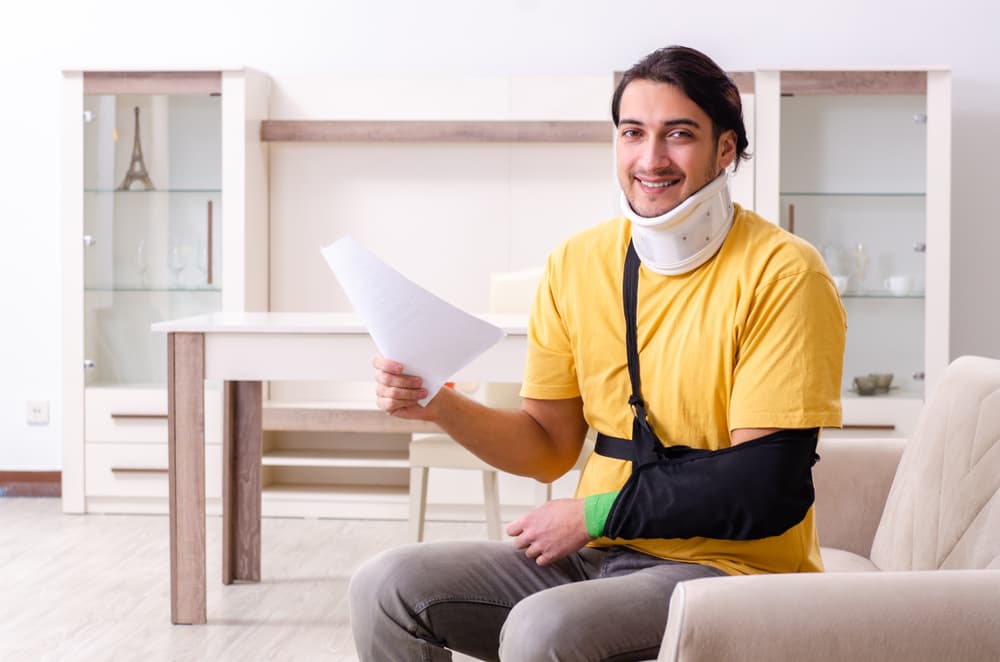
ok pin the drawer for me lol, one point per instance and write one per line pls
(139, 415)
(140, 470)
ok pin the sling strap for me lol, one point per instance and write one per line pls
(644, 446)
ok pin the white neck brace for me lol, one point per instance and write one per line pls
(688, 235)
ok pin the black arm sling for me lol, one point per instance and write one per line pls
(756, 489)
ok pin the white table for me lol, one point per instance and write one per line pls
(243, 350)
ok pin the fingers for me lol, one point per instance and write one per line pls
(399, 396)
(534, 548)
(390, 374)
(387, 365)
(516, 527)
(536, 551)
(522, 539)
(551, 531)
(395, 392)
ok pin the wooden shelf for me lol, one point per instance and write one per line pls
(435, 131)
(350, 493)
(853, 82)
(388, 502)
(348, 459)
(336, 417)
(152, 82)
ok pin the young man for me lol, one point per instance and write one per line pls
(703, 343)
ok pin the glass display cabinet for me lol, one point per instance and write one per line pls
(152, 227)
(164, 216)
(860, 165)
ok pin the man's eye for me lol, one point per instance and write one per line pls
(630, 133)
(680, 134)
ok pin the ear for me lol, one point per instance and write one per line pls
(725, 152)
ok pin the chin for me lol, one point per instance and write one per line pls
(652, 211)
(652, 208)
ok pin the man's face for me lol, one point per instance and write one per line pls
(665, 147)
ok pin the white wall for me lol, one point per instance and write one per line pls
(451, 38)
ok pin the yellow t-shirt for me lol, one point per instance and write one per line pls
(753, 338)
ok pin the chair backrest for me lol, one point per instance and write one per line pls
(511, 293)
(943, 511)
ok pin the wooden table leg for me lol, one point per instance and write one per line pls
(186, 451)
(242, 439)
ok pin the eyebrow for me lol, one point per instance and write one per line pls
(681, 121)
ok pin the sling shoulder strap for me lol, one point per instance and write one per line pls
(644, 445)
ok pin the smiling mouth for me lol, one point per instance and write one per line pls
(659, 185)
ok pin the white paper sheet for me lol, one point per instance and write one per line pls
(429, 336)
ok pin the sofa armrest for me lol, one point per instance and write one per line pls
(886, 616)
(852, 481)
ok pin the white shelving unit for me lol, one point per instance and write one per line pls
(859, 163)
(196, 242)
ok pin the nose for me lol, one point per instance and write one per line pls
(655, 156)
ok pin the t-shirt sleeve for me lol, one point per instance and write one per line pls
(790, 355)
(550, 370)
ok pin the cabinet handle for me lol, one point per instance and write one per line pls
(208, 246)
(138, 470)
(138, 416)
(919, 376)
(920, 247)
(88, 364)
(88, 240)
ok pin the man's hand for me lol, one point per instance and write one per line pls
(551, 531)
(396, 393)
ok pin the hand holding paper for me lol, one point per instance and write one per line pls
(429, 336)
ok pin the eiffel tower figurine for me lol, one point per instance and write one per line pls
(137, 168)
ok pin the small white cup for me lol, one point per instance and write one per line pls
(899, 285)
(840, 282)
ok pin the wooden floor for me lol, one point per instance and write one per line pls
(96, 587)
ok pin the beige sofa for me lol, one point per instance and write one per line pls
(913, 572)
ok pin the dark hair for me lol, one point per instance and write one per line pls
(701, 80)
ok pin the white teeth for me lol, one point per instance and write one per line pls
(657, 184)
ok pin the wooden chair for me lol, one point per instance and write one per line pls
(510, 293)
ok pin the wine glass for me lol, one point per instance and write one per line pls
(178, 261)
(141, 262)
(860, 266)
(203, 264)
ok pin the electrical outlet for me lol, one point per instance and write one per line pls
(37, 412)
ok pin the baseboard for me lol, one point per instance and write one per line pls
(30, 483)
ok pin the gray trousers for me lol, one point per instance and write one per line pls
(488, 600)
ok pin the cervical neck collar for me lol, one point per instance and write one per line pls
(688, 235)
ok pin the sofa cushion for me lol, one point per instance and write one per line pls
(852, 482)
(839, 560)
(943, 511)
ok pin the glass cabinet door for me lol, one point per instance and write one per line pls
(152, 226)
(852, 183)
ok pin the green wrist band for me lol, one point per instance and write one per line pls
(596, 508)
